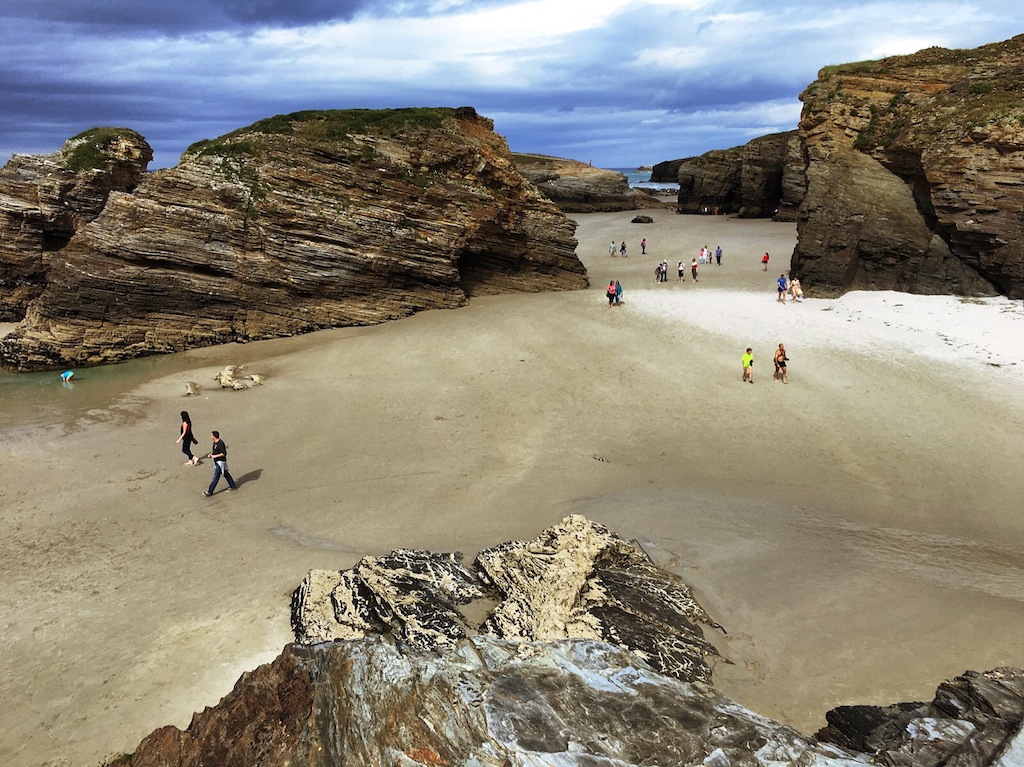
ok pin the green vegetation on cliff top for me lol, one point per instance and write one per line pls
(326, 126)
(88, 150)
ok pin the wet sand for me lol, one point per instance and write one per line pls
(856, 531)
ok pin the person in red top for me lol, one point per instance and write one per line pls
(764, 261)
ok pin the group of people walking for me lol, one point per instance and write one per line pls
(780, 359)
(786, 287)
(218, 453)
(622, 248)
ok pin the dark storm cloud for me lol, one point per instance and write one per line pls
(619, 80)
(174, 17)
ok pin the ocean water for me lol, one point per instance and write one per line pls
(29, 401)
(642, 180)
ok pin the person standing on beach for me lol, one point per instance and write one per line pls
(783, 288)
(682, 270)
(219, 454)
(764, 261)
(748, 365)
(780, 364)
(187, 439)
(795, 289)
(643, 247)
(718, 255)
(693, 269)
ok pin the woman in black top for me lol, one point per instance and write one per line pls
(187, 439)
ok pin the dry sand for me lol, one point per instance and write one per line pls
(858, 531)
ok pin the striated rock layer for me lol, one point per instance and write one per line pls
(45, 199)
(296, 223)
(413, 685)
(915, 174)
(577, 187)
(752, 181)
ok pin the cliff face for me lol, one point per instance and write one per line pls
(748, 181)
(296, 223)
(915, 174)
(45, 199)
(576, 187)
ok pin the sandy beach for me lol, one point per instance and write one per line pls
(856, 531)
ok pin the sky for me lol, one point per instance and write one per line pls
(618, 83)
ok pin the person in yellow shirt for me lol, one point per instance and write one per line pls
(748, 365)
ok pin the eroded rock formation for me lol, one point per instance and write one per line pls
(45, 199)
(296, 223)
(576, 580)
(576, 187)
(750, 181)
(915, 174)
(414, 685)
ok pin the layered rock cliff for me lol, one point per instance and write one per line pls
(560, 672)
(751, 181)
(915, 174)
(577, 187)
(296, 223)
(45, 199)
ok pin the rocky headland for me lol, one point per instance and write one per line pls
(757, 180)
(578, 187)
(45, 199)
(905, 174)
(586, 654)
(295, 223)
(915, 174)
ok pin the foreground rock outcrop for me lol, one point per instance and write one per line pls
(915, 174)
(576, 580)
(296, 223)
(45, 199)
(577, 187)
(417, 684)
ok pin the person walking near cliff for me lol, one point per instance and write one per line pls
(611, 249)
(764, 261)
(187, 439)
(748, 365)
(643, 247)
(796, 290)
(219, 454)
(610, 292)
(693, 269)
(718, 255)
(622, 249)
(618, 293)
(780, 364)
(783, 288)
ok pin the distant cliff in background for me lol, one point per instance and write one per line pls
(295, 223)
(757, 180)
(906, 173)
(577, 187)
